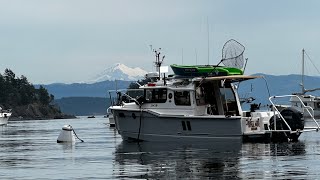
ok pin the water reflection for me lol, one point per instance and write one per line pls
(224, 159)
(272, 161)
(177, 160)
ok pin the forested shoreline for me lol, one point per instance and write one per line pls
(26, 101)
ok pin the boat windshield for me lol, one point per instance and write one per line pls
(155, 95)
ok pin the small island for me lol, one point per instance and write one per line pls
(26, 101)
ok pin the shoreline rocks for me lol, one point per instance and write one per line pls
(38, 111)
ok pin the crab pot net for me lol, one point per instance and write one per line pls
(232, 54)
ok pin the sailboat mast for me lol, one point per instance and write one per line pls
(302, 74)
(208, 40)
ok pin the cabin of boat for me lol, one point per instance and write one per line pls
(193, 97)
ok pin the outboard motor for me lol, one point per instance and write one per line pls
(294, 119)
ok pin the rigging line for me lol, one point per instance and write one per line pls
(267, 85)
(312, 62)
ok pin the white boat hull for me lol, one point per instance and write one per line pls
(151, 127)
(4, 117)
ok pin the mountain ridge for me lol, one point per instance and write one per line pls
(119, 72)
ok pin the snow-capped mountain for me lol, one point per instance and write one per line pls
(120, 72)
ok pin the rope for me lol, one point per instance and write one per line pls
(140, 124)
(266, 85)
(312, 62)
(76, 135)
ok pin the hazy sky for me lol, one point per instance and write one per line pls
(74, 40)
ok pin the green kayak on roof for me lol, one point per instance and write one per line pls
(204, 70)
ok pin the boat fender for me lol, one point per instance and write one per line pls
(134, 116)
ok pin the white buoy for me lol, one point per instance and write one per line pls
(66, 135)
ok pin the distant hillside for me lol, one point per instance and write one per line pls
(83, 106)
(99, 89)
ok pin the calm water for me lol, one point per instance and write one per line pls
(28, 150)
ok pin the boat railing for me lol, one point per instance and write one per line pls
(307, 108)
(116, 95)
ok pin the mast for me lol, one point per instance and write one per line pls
(303, 90)
(208, 40)
(302, 74)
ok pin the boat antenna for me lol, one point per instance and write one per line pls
(302, 74)
(196, 53)
(182, 55)
(158, 62)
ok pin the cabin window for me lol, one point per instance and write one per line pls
(156, 95)
(182, 98)
(229, 101)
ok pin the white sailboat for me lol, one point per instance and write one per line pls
(309, 100)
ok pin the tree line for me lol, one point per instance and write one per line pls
(18, 91)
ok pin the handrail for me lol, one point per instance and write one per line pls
(124, 93)
(308, 108)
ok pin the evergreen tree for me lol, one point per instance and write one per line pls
(15, 91)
